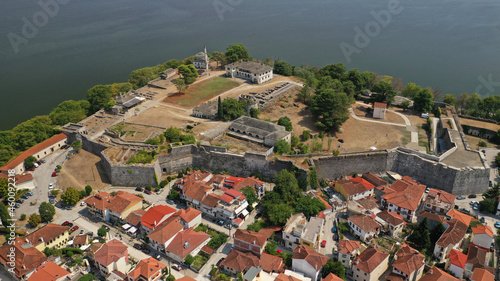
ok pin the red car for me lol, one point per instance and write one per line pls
(74, 228)
(147, 191)
(54, 174)
(323, 243)
(65, 223)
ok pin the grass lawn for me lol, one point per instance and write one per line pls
(202, 91)
(198, 262)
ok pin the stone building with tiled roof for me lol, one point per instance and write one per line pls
(477, 257)
(409, 263)
(21, 258)
(49, 236)
(153, 217)
(113, 208)
(186, 242)
(436, 274)
(439, 201)
(148, 269)
(255, 72)
(347, 251)
(405, 199)
(370, 264)
(481, 274)
(364, 227)
(112, 256)
(246, 240)
(456, 263)
(393, 223)
(259, 131)
(49, 271)
(352, 190)
(163, 235)
(483, 236)
(450, 239)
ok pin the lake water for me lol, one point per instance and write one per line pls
(453, 45)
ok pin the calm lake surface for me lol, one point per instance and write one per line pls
(453, 45)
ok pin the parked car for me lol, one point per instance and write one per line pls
(83, 203)
(137, 246)
(323, 243)
(147, 191)
(138, 189)
(159, 191)
(171, 202)
(105, 227)
(220, 261)
(463, 210)
(74, 228)
(460, 197)
(20, 200)
(482, 220)
(146, 251)
(341, 140)
(456, 207)
(427, 190)
(36, 165)
(492, 247)
(54, 174)
(31, 169)
(158, 257)
(472, 196)
(42, 160)
(257, 216)
(497, 224)
(220, 222)
(229, 226)
(82, 232)
(335, 236)
(29, 193)
(51, 185)
(90, 233)
(25, 196)
(65, 146)
(51, 200)
(178, 267)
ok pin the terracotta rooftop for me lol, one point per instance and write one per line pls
(155, 214)
(391, 218)
(186, 241)
(134, 218)
(256, 238)
(122, 201)
(368, 185)
(453, 234)
(352, 188)
(348, 246)
(210, 200)
(48, 271)
(482, 229)
(454, 214)
(111, 252)
(370, 259)
(327, 206)
(407, 198)
(481, 274)
(436, 274)
(185, 278)
(196, 190)
(477, 257)
(332, 277)
(285, 277)
(20, 178)
(368, 202)
(33, 150)
(166, 230)
(433, 216)
(187, 215)
(80, 240)
(409, 260)
(270, 263)
(315, 259)
(374, 179)
(193, 176)
(207, 250)
(441, 195)
(99, 201)
(241, 261)
(27, 257)
(47, 233)
(146, 268)
(457, 258)
(380, 105)
(364, 222)
(250, 181)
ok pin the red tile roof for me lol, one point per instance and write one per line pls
(122, 200)
(47, 233)
(185, 278)
(187, 215)
(166, 230)
(226, 198)
(234, 193)
(284, 277)
(407, 196)
(270, 263)
(146, 268)
(348, 246)
(436, 274)
(380, 105)
(155, 214)
(251, 237)
(327, 206)
(442, 196)
(20, 178)
(240, 261)
(352, 188)
(27, 257)
(364, 182)
(80, 239)
(391, 218)
(453, 234)
(48, 271)
(111, 252)
(332, 277)
(207, 250)
(457, 258)
(210, 200)
(370, 259)
(481, 274)
(368, 202)
(232, 181)
(364, 222)
(433, 216)
(192, 177)
(33, 150)
(186, 241)
(409, 260)
(250, 181)
(374, 179)
(196, 190)
(315, 259)
(134, 218)
(482, 229)
(454, 214)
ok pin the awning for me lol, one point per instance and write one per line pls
(245, 212)
(126, 226)
(133, 229)
(84, 247)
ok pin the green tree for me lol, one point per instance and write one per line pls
(437, 112)
(423, 101)
(309, 206)
(4, 215)
(34, 219)
(189, 260)
(306, 93)
(4, 188)
(173, 134)
(411, 90)
(330, 109)
(189, 73)
(46, 211)
(140, 77)
(285, 122)
(170, 278)
(88, 189)
(219, 57)
(254, 112)
(249, 193)
(237, 52)
(313, 178)
(405, 105)
(335, 71)
(77, 145)
(385, 92)
(335, 267)
(29, 162)
(488, 206)
(295, 141)
(69, 111)
(420, 237)
(278, 214)
(287, 186)
(436, 234)
(271, 248)
(101, 232)
(180, 84)
(450, 99)
(233, 109)
(306, 134)
(282, 147)
(358, 81)
(220, 110)
(492, 193)
(282, 67)
(88, 277)
(98, 96)
(70, 196)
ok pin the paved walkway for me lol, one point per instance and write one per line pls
(412, 129)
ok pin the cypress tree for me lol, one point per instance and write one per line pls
(4, 215)
(220, 112)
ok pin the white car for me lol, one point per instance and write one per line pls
(51, 185)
